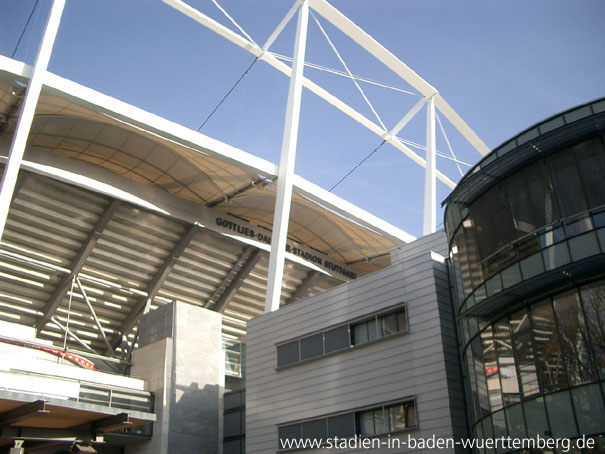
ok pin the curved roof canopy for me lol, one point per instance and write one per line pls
(135, 211)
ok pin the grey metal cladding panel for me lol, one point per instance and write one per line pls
(451, 353)
(402, 366)
(368, 294)
(435, 242)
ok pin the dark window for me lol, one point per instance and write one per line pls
(599, 220)
(232, 400)
(291, 432)
(591, 163)
(233, 446)
(365, 423)
(288, 354)
(342, 426)
(316, 429)
(337, 339)
(232, 424)
(492, 373)
(312, 346)
(568, 186)
(578, 227)
(393, 323)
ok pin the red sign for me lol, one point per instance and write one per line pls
(491, 370)
(53, 351)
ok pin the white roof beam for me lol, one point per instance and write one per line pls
(461, 125)
(310, 85)
(281, 25)
(213, 25)
(305, 286)
(406, 119)
(247, 262)
(383, 55)
(77, 264)
(353, 31)
(153, 287)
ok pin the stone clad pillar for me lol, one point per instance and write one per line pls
(180, 354)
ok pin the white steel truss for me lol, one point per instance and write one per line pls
(430, 96)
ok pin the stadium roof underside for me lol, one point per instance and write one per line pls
(131, 211)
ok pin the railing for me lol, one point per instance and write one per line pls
(235, 355)
(116, 398)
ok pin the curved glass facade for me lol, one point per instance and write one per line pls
(526, 229)
(547, 215)
(541, 369)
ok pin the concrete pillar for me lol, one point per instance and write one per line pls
(180, 354)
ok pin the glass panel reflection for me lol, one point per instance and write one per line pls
(588, 403)
(560, 415)
(499, 422)
(593, 300)
(526, 364)
(492, 375)
(574, 339)
(506, 363)
(548, 352)
(479, 370)
(515, 421)
(535, 415)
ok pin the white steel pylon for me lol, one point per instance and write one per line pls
(28, 108)
(283, 200)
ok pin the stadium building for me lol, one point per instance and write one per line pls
(135, 265)
(375, 362)
(118, 212)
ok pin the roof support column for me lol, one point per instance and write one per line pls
(28, 109)
(286, 166)
(430, 196)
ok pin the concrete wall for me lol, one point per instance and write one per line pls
(181, 357)
(415, 364)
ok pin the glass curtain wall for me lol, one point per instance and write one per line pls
(541, 369)
(533, 221)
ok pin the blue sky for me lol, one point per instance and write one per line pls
(502, 66)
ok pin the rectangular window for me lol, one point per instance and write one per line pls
(386, 419)
(337, 339)
(379, 420)
(360, 333)
(396, 417)
(312, 346)
(342, 426)
(379, 326)
(389, 324)
(342, 337)
(288, 353)
(289, 433)
(316, 429)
